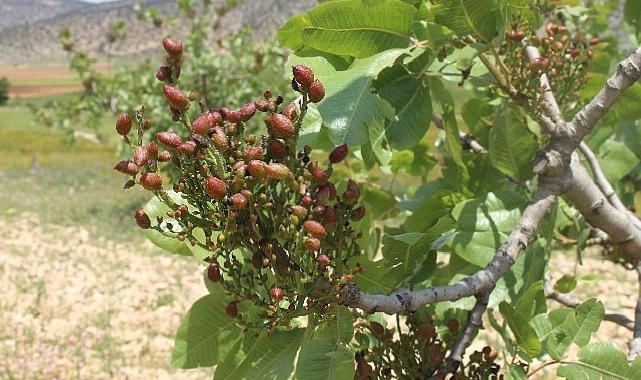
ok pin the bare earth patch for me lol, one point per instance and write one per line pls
(75, 307)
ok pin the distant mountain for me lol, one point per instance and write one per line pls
(29, 28)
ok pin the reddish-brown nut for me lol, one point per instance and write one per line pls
(247, 111)
(141, 155)
(358, 213)
(303, 75)
(123, 124)
(352, 193)
(176, 98)
(279, 172)
(126, 167)
(203, 123)
(142, 219)
(238, 201)
(152, 149)
(277, 149)
(319, 175)
(173, 47)
(163, 73)
(312, 244)
(291, 111)
(282, 127)
(216, 188)
(213, 273)
(188, 147)
(169, 139)
(164, 156)
(277, 294)
(151, 181)
(314, 228)
(253, 153)
(323, 261)
(257, 169)
(316, 91)
(338, 154)
(219, 138)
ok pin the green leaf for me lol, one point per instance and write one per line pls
(267, 357)
(377, 143)
(464, 17)
(494, 212)
(574, 326)
(204, 334)
(601, 361)
(526, 337)
(410, 97)
(350, 104)
(632, 14)
(155, 207)
(339, 324)
(322, 359)
(616, 160)
(512, 146)
(401, 253)
(452, 138)
(565, 284)
(477, 248)
(532, 302)
(359, 28)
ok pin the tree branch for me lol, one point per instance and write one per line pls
(605, 186)
(472, 326)
(628, 72)
(571, 301)
(475, 284)
(593, 205)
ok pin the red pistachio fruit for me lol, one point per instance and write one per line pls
(238, 201)
(213, 273)
(282, 126)
(216, 188)
(173, 47)
(324, 260)
(175, 97)
(314, 228)
(316, 91)
(303, 75)
(338, 154)
(151, 181)
(142, 219)
(277, 294)
(123, 124)
(169, 139)
(127, 167)
(141, 155)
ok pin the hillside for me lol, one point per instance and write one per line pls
(29, 28)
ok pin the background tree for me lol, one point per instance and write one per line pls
(4, 91)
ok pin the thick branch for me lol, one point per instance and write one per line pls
(605, 186)
(475, 284)
(573, 302)
(593, 205)
(628, 72)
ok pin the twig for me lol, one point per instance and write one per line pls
(573, 302)
(466, 138)
(472, 326)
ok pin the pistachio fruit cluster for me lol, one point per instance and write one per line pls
(278, 231)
